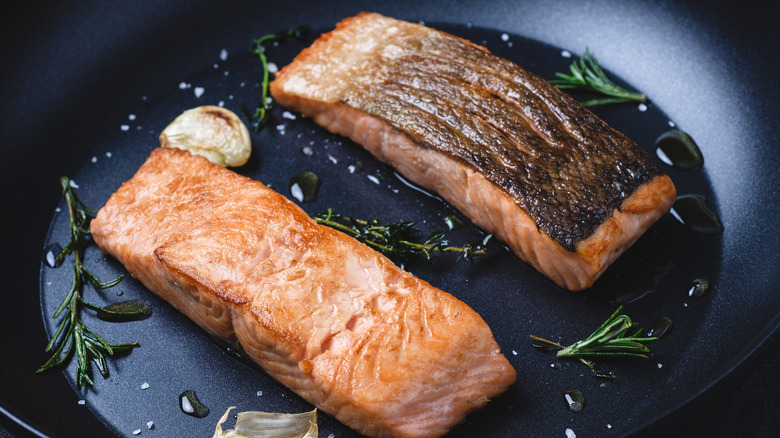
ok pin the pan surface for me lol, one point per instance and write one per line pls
(88, 88)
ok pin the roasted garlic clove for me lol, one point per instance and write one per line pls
(211, 131)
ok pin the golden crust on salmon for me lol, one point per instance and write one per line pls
(520, 158)
(384, 352)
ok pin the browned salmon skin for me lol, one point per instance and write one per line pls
(515, 154)
(338, 323)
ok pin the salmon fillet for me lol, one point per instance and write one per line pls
(384, 352)
(520, 158)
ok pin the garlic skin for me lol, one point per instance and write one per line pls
(211, 131)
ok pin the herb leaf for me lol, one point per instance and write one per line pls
(611, 339)
(397, 238)
(259, 117)
(72, 335)
(587, 75)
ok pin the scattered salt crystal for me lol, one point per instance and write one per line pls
(422, 23)
(281, 127)
(145, 385)
(268, 100)
(230, 97)
(469, 25)
(333, 435)
(509, 44)
(125, 128)
(94, 159)
(82, 402)
(137, 432)
(642, 107)
(242, 84)
(184, 85)
(73, 184)
(227, 73)
(570, 433)
(108, 154)
(566, 53)
(57, 210)
(373, 179)
(143, 98)
(259, 393)
(671, 124)
(150, 425)
(272, 68)
(504, 37)
(131, 117)
(609, 426)
(660, 365)
(333, 159)
(223, 55)
(199, 91)
(221, 103)
(216, 66)
(288, 115)
(514, 352)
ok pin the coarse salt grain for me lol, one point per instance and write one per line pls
(137, 432)
(642, 107)
(272, 67)
(150, 425)
(514, 352)
(660, 365)
(223, 55)
(373, 179)
(570, 433)
(82, 402)
(184, 85)
(288, 115)
(504, 37)
(108, 154)
(259, 393)
(566, 53)
(125, 128)
(145, 385)
(73, 184)
(94, 159)
(131, 117)
(199, 91)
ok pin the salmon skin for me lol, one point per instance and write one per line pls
(516, 155)
(338, 323)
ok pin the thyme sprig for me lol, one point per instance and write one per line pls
(397, 238)
(259, 117)
(611, 339)
(587, 75)
(72, 335)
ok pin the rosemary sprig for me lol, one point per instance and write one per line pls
(396, 239)
(587, 75)
(72, 335)
(611, 339)
(259, 118)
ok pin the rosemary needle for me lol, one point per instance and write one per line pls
(587, 75)
(72, 335)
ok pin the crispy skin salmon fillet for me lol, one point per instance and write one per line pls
(338, 323)
(520, 158)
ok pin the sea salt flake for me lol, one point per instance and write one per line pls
(145, 385)
(223, 55)
(272, 67)
(671, 124)
(199, 91)
(259, 393)
(183, 85)
(660, 365)
(125, 128)
(609, 426)
(566, 53)
(373, 179)
(642, 107)
(514, 352)
(216, 66)
(137, 432)
(221, 103)
(73, 184)
(504, 37)
(94, 159)
(108, 154)
(131, 117)
(82, 402)
(570, 433)
(288, 115)
(150, 425)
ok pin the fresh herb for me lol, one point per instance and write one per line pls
(72, 335)
(259, 117)
(396, 239)
(609, 340)
(586, 74)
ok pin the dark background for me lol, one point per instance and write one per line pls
(48, 57)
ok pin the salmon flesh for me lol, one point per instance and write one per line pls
(384, 352)
(516, 155)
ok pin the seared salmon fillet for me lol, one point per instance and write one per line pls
(384, 352)
(520, 158)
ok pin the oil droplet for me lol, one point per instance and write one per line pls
(452, 222)
(574, 400)
(692, 211)
(123, 311)
(355, 167)
(305, 186)
(699, 288)
(191, 405)
(677, 149)
(660, 328)
(50, 254)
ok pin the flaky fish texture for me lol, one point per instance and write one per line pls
(519, 157)
(384, 352)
